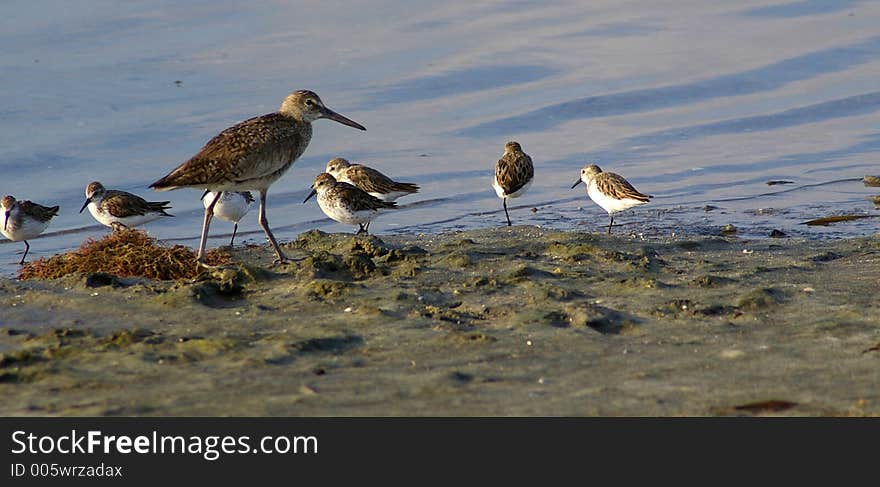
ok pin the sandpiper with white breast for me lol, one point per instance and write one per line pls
(116, 209)
(252, 155)
(23, 220)
(347, 203)
(610, 191)
(369, 180)
(232, 207)
(513, 174)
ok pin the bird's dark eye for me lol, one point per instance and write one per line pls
(310, 103)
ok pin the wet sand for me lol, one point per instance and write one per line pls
(519, 321)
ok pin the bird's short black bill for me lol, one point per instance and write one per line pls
(328, 113)
(85, 205)
(313, 193)
(575, 184)
(6, 220)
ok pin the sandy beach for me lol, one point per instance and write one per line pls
(519, 321)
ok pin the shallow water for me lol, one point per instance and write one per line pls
(697, 103)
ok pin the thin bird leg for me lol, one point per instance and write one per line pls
(362, 229)
(26, 248)
(505, 212)
(209, 214)
(367, 227)
(234, 229)
(265, 224)
(609, 224)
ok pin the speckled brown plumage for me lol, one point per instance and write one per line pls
(114, 208)
(33, 210)
(252, 155)
(122, 204)
(23, 220)
(369, 179)
(514, 170)
(351, 196)
(249, 155)
(513, 174)
(610, 191)
(615, 186)
(347, 203)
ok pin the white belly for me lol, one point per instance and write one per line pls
(609, 204)
(516, 194)
(26, 229)
(130, 221)
(343, 213)
(232, 206)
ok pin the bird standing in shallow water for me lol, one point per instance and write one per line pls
(116, 209)
(23, 220)
(369, 180)
(232, 207)
(610, 191)
(513, 174)
(346, 203)
(252, 155)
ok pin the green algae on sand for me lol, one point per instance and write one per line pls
(519, 321)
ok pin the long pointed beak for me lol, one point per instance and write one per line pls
(205, 194)
(313, 193)
(5, 220)
(88, 200)
(328, 113)
(576, 183)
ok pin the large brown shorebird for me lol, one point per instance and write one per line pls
(610, 191)
(513, 174)
(369, 180)
(346, 203)
(252, 155)
(23, 220)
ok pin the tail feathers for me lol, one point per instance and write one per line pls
(178, 178)
(160, 207)
(406, 187)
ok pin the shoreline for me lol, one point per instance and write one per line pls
(500, 321)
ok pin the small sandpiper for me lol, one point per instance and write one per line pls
(23, 220)
(369, 180)
(120, 209)
(347, 203)
(513, 174)
(252, 155)
(232, 207)
(610, 191)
